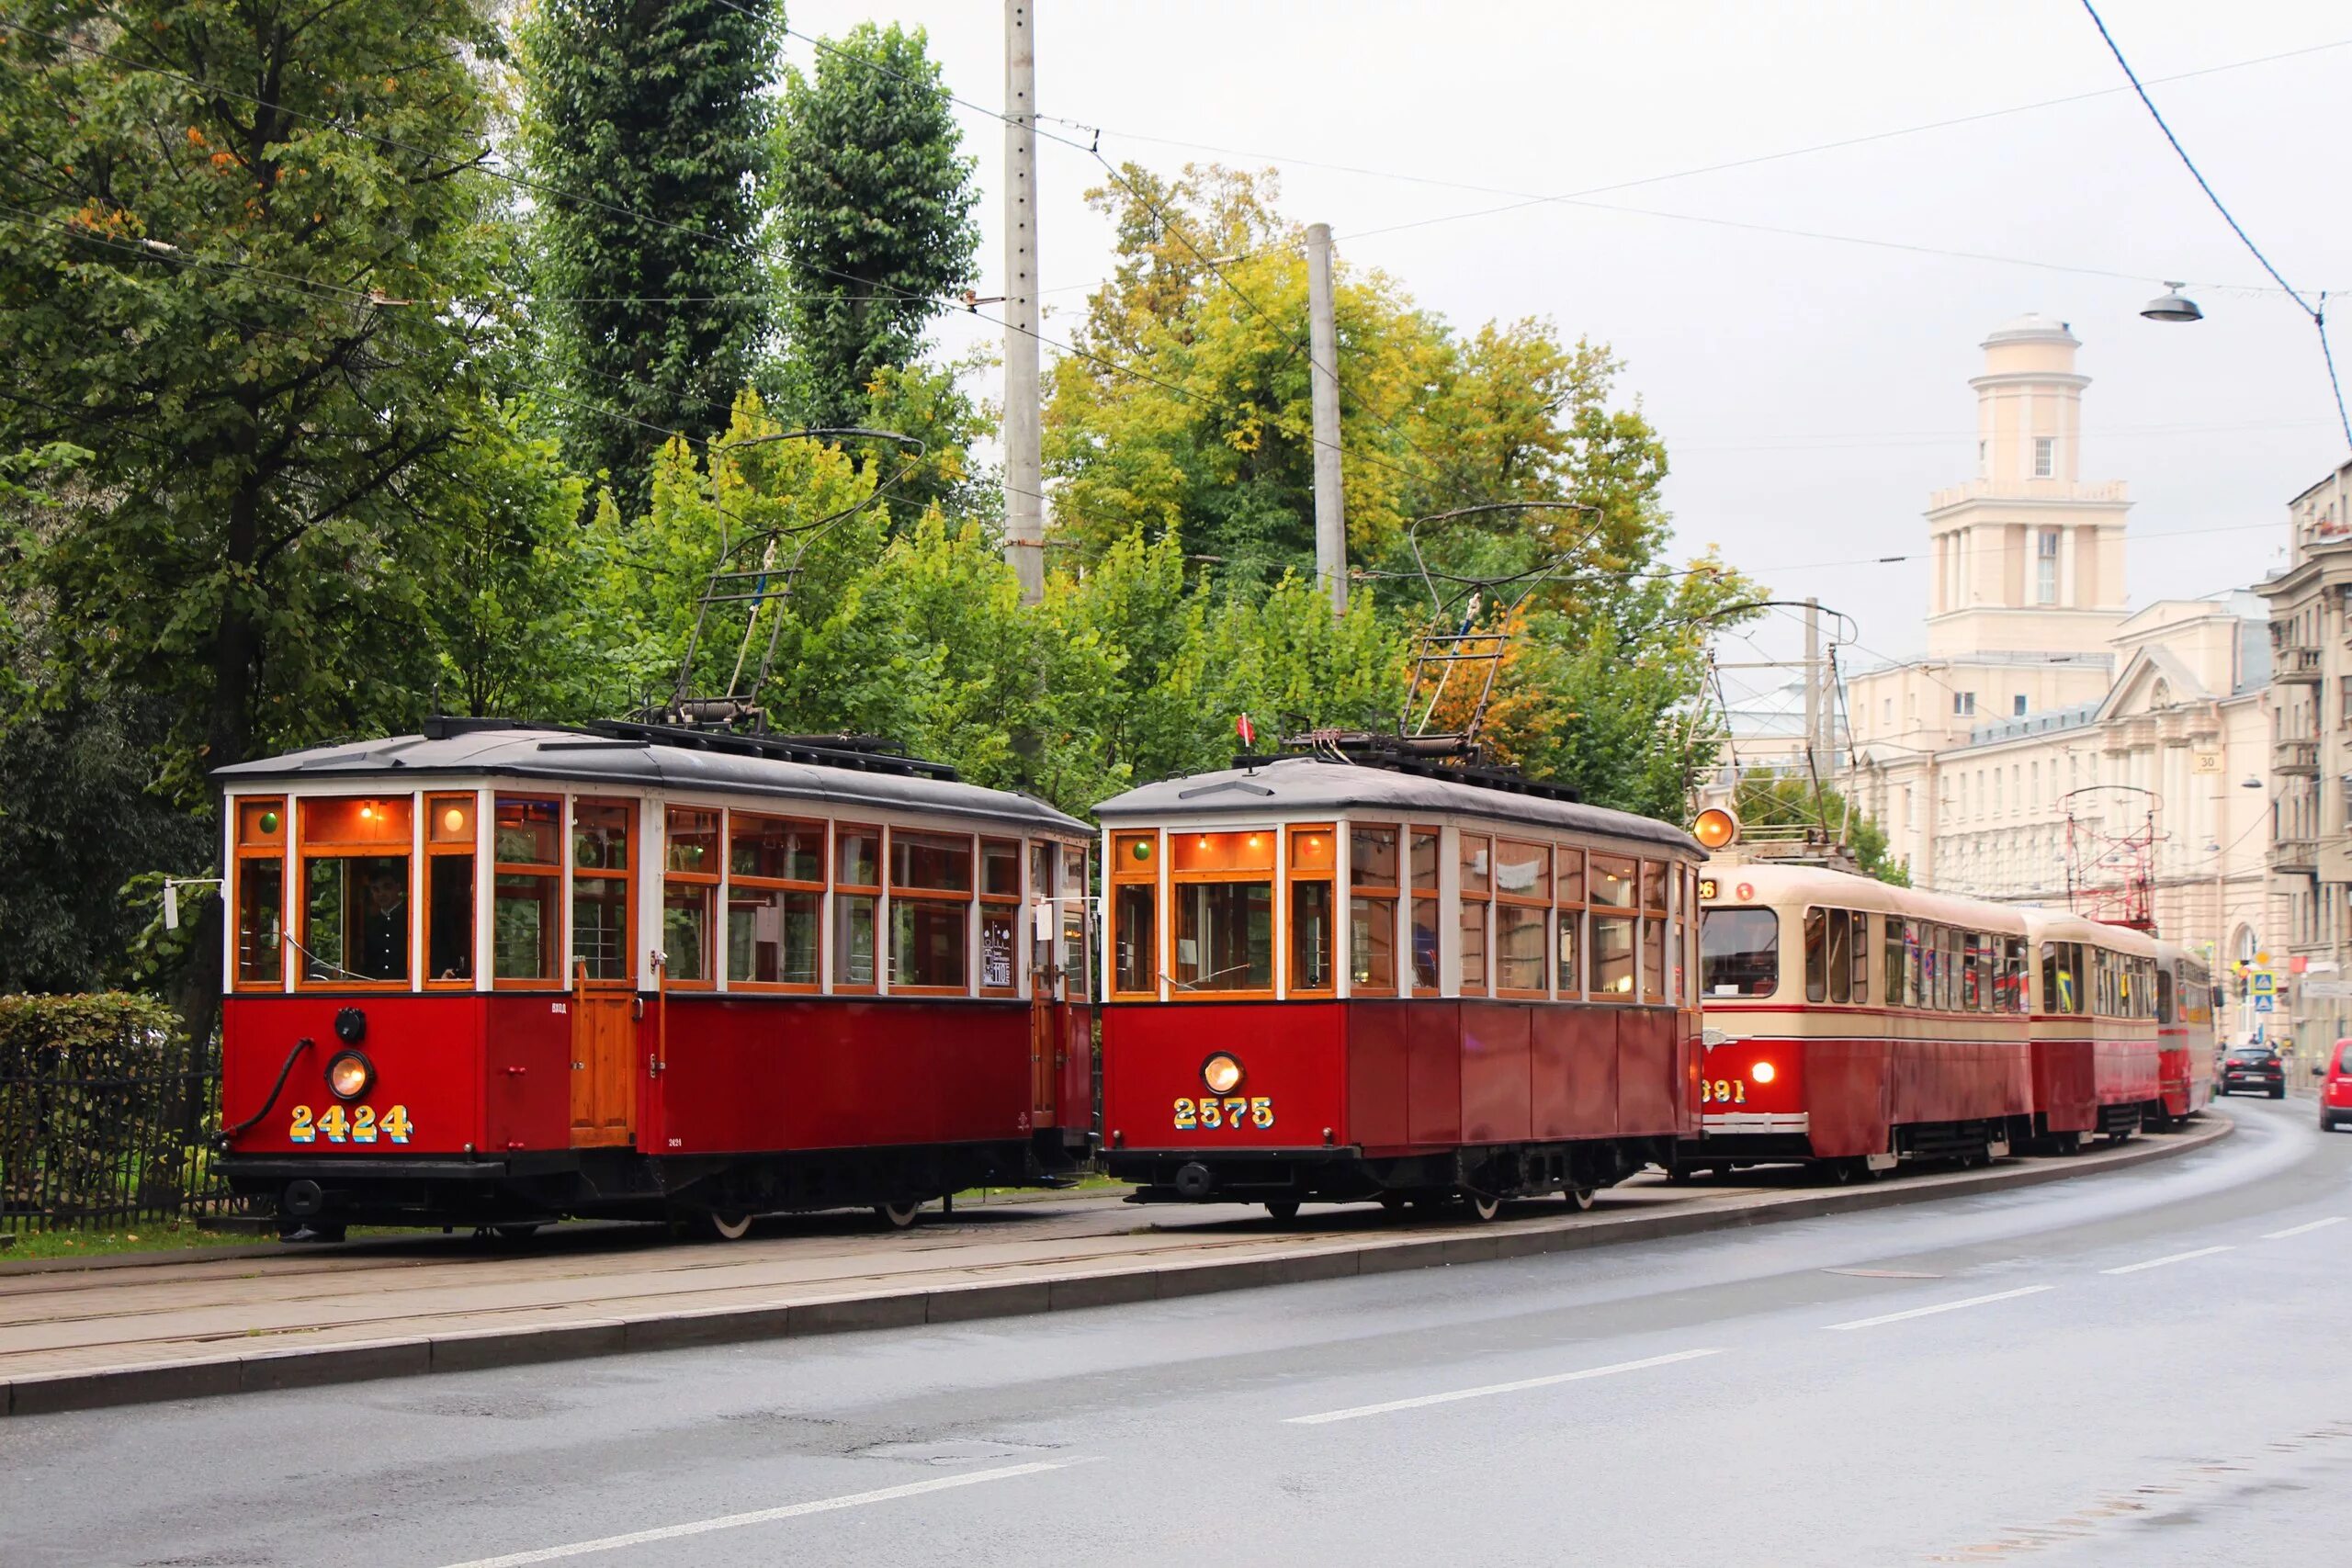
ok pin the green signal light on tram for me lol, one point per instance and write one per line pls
(269, 821)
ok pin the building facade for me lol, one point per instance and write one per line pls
(2054, 746)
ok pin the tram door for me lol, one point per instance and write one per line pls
(604, 991)
(1044, 1012)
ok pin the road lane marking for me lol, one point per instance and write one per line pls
(1942, 1306)
(762, 1517)
(2169, 1258)
(2298, 1230)
(1381, 1409)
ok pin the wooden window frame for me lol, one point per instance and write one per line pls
(715, 927)
(1003, 905)
(1500, 900)
(1392, 893)
(1272, 877)
(279, 850)
(341, 850)
(1653, 917)
(888, 929)
(432, 803)
(1414, 898)
(555, 873)
(1569, 915)
(1125, 872)
(1334, 913)
(734, 879)
(830, 951)
(1464, 901)
(627, 877)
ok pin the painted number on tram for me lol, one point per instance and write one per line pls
(1206, 1113)
(360, 1124)
(1722, 1092)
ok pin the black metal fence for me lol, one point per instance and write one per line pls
(105, 1112)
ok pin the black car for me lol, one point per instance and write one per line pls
(2253, 1067)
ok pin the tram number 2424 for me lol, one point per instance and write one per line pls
(1194, 1114)
(361, 1125)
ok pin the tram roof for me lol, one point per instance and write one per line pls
(556, 754)
(1291, 786)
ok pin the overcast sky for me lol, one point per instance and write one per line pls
(1811, 390)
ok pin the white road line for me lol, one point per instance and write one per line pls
(2298, 1230)
(1942, 1306)
(2169, 1258)
(1352, 1413)
(764, 1516)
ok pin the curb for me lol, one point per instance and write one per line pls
(475, 1350)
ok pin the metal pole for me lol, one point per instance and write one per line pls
(1024, 516)
(1812, 683)
(1323, 370)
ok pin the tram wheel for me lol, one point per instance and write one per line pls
(1580, 1198)
(1286, 1209)
(899, 1216)
(721, 1225)
(1482, 1208)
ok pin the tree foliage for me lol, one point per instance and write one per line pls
(646, 125)
(870, 216)
(1767, 799)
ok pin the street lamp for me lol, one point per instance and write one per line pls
(2171, 305)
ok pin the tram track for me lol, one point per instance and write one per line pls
(209, 1326)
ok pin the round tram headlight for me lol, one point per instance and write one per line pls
(1222, 1073)
(1715, 828)
(349, 1076)
(1762, 1072)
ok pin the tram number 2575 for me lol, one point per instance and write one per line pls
(1233, 1111)
(1722, 1092)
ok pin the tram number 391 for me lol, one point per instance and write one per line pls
(1234, 1112)
(1722, 1092)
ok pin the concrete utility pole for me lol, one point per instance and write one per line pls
(1323, 373)
(1024, 506)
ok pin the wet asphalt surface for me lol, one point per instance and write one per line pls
(2034, 1377)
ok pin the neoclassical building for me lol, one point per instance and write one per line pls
(2048, 727)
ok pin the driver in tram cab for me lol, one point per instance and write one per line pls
(384, 942)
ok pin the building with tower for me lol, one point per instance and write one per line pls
(2053, 745)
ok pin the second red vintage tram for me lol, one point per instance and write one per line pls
(496, 974)
(2185, 1033)
(1334, 981)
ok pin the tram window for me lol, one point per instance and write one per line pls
(1371, 910)
(1567, 882)
(1893, 973)
(1523, 911)
(1136, 951)
(1041, 867)
(1225, 936)
(356, 918)
(600, 888)
(1947, 972)
(1739, 953)
(772, 849)
(776, 899)
(1078, 885)
(1000, 915)
(931, 887)
(527, 847)
(1972, 973)
(1613, 955)
(261, 892)
(1476, 897)
(1654, 959)
(857, 887)
(2014, 967)
(689, 894)
(1423, 845)
(1816, 955)
(1860, 954)
(1310, 936)
(1840, 955)
(449, 888)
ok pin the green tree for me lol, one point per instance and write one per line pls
(870, 215)
(1766, 799)
(646, 126)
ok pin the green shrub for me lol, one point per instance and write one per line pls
(102, 1107)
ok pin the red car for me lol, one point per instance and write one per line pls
(2336, 1094)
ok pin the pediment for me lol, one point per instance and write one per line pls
(2152, 681)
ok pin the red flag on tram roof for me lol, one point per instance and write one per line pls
(1244, 728)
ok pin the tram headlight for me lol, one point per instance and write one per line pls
(1761, 1072)
(1222, 1073)
(1715, 828)
(349, 1075)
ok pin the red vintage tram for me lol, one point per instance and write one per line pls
(1333, 981)
(1906, 1025)
(495, 974)
(2185, 1033)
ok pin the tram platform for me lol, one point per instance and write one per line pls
(179, 1327)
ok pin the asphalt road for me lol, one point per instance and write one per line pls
(2141, 1367)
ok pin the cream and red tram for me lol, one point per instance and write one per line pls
(2095, 1056)
(496, 974)
(2186, 1034)
(1335, 982)
(1856, 1023)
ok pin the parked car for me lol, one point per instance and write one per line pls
(2336, 1091)
(2254, 1068)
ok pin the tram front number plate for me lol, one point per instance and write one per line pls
(1232, 1112)
(359, 1125)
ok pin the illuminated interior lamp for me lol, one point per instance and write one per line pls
(453, 819)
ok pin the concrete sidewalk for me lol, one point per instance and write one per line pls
(209, 1324)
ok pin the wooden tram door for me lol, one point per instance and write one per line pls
(1045, 1013)
(604, 1057)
